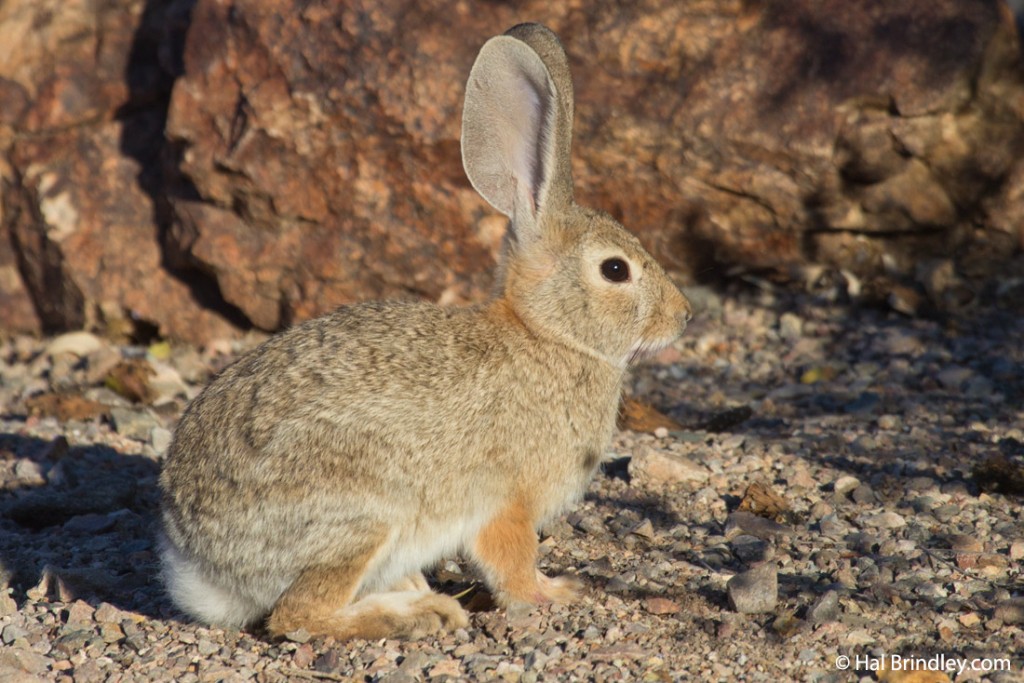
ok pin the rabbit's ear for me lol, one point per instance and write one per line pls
(517, 126)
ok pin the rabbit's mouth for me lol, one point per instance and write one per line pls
(647, 348)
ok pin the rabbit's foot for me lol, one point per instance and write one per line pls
(560, 589)
(398, 614)
(322, 601)
(405, 614)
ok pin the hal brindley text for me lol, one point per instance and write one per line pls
(939, 662)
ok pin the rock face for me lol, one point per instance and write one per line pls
(81, 130)
(320, 145)
(312, 153)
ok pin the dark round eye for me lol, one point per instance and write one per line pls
(615, 270)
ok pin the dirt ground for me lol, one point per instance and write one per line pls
(825, 492)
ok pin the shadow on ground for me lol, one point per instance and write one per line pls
(917, 397)
(86, 534)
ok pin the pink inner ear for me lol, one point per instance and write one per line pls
(522, 136)
(508, 127)
(522, 189)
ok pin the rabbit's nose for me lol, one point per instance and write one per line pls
(686, 314)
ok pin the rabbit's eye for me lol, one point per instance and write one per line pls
(615, 270)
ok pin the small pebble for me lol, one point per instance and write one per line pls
(750, 549)
(661, 606)
(845, 484)
(666, 468)
(944, 513)
(134, 423)
(11, 633)
(754, 591)
(298, 636)
(78, 343)
(80, 613)
(883, 520)
(889, 422)
(1010, 611)
(969, 620)
(965, 543)
(832, 527)
(864, 495)
(954, 377)
(824, 609)
(791, 326)
(160, 438)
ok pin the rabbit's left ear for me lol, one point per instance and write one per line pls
(517, 127)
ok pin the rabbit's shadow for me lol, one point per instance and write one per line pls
(80, 525)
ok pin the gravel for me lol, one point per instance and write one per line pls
(829, 481)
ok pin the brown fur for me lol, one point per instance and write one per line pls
(312, 603)
(506, 549)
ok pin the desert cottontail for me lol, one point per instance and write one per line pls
(314, 479)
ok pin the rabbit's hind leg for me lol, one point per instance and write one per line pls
(413, 582)
(320, 601)
(402, 614)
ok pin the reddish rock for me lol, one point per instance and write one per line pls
(322, 142)
(79, 237)
(323, 145)
(313, 149)
(64, 63)
(90, 246)
(16, 310)
(662, 606)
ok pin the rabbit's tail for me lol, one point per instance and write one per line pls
(204, 599)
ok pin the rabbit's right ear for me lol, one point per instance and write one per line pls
(517, 127)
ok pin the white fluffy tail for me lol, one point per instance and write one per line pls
(205, 600)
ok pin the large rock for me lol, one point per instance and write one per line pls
(313, 158)
(81, 129)
(92, 250)
(320, 142)
(320, 145)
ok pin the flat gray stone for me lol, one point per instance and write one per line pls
(743, 522)
(824, 609)
(754, 591)
(666, 468)
(135, 424)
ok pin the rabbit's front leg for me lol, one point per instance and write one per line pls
(506, 551)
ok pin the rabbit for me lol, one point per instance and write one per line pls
(311, 483)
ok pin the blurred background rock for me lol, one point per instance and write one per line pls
(193, 168)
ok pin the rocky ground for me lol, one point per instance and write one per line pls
(824, 481)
